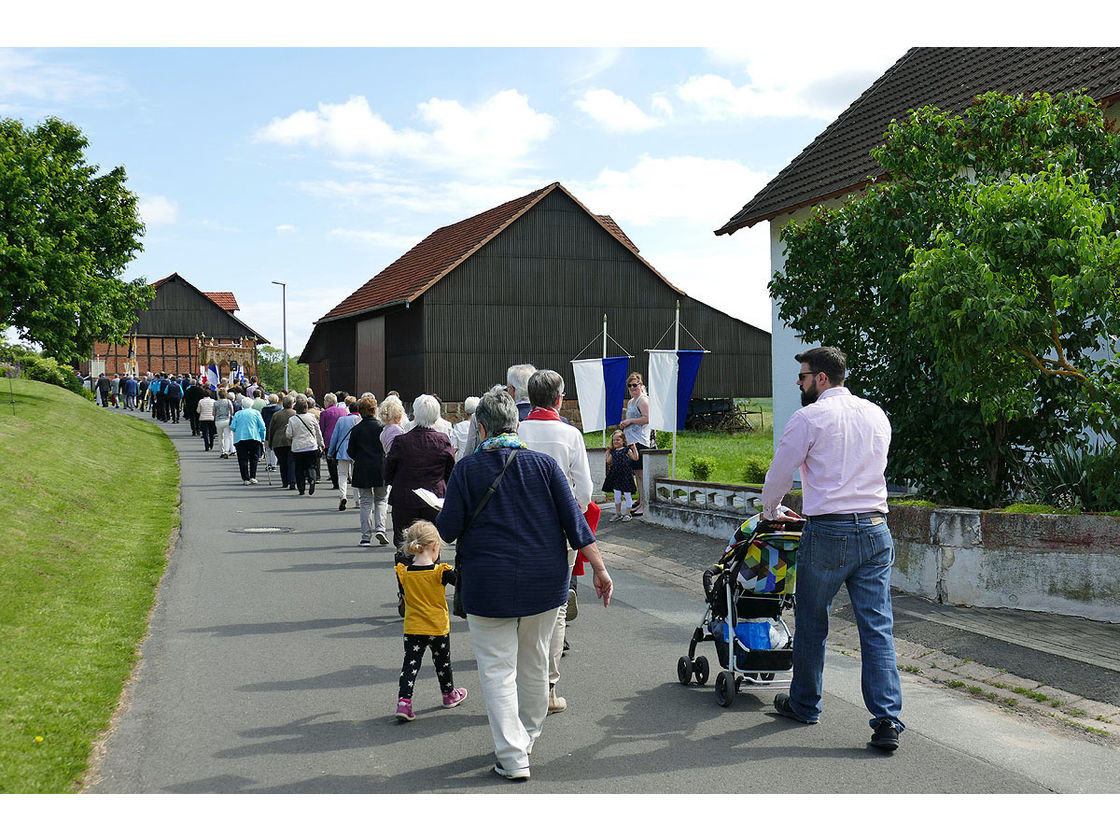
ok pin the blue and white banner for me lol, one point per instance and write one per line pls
(601, 388)
(672, 375)
(211, 375)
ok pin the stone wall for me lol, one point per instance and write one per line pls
(1068, 565)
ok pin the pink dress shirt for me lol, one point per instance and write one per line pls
(840, 444)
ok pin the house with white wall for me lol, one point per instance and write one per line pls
(838, 163)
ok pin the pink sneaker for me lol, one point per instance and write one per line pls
(454, 697)
(404, 710)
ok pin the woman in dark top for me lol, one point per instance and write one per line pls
(369, 472)
(514, 562)
(420, 458)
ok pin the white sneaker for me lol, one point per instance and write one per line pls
(518, 774)
(252, 481)
(245, 482)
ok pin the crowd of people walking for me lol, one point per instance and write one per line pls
(509, 484)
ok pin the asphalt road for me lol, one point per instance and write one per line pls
(273, 661)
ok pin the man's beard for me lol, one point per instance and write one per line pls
(809, 395)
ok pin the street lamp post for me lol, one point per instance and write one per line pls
(284, 316)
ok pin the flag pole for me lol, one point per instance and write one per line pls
(604, 356)
(676, 347)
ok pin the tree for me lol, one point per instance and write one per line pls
(270, 370)
(991, 238)
(66, 235)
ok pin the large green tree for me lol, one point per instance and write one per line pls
(66, 235)
(972, 286)
(270, 370)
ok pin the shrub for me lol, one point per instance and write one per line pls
(754, 470)
(701, 468)
(1078, 477)
(46, 369)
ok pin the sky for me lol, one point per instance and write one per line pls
(314, 151)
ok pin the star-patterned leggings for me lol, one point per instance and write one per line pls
(413, 655)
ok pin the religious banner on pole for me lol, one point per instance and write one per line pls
(601, 389)
(672, 376)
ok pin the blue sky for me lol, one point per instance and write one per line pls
(319, 165)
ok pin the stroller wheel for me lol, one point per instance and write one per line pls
(725, 688)
(700, 666)
(684, 670)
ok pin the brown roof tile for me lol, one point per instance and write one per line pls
(838, 160)
(419, 268)
(428, 262)
(226, 300)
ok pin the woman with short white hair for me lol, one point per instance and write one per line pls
(419, 458)
(390, 413)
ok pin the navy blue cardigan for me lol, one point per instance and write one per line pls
(514, 557)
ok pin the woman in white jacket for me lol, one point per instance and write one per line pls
(307, 445)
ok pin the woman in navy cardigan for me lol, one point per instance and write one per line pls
(514, 563)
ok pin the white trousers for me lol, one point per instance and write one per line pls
(343, 476)
(556, 646)
(225, 437)
(512, 657)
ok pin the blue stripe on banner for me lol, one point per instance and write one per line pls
(614, 377)
(688, 364)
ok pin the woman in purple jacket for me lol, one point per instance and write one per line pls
(419, 458)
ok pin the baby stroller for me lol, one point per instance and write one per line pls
(746, 593)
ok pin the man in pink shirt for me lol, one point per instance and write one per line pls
(331, 413)
(840, 443)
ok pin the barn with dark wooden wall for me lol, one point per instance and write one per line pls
(180, 327)
(527, 281)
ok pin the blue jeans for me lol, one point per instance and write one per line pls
(859, 555)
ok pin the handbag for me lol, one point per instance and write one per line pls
(457, 601)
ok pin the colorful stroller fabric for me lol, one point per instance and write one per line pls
(768, 560)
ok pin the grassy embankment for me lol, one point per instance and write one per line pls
(89, 499)
(727, 450)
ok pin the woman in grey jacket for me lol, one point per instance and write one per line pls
(307, 445)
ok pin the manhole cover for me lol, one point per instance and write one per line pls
(262, 529)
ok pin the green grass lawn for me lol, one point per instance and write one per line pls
(89, 500)
(728, 450)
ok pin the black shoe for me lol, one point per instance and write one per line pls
(342, 505)
(886, 736)
(311, 487)
(782, 706)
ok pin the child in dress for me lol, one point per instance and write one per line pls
(426, 621)
(620, 475)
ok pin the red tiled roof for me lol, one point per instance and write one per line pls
(418, 269)
(611, 225)
(838, 162)
(226, 300)
(428, 262)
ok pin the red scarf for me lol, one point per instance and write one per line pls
(543, 414)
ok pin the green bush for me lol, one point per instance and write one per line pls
(754, 470)
(46, 369)
(701, 468)
(1078, 477)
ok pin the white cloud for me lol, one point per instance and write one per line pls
(682, 188)
(615, 113)
(24, 76)
(498, 135)
(285, 230)
(447, 201)
(376, 238)
(158, 210)
(816, 78)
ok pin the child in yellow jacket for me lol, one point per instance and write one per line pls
(426, 620)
